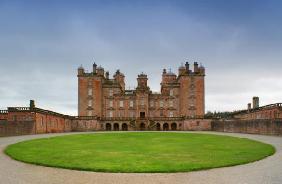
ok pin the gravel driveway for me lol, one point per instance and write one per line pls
(266, 171)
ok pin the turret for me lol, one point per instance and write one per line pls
(80, 70)
(168, 77)
(142, 80)
(182, 70)
(100, 71)
(201, 70)
(119, 77)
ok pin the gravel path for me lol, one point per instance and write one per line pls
(265, 171)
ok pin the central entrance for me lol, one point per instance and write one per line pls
(142, 114)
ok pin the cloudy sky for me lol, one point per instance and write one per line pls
(42, 43)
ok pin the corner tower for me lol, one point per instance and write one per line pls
(90, 91)
(192, 91)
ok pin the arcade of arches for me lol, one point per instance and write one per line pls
(164, 126)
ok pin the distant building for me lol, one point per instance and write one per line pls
(271, 111)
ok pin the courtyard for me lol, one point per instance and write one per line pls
(264, 171)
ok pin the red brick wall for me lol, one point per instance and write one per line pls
(48, 123)
(197, 124)
(16, 128)
(85, 125)
(3, 116)
(267, 127)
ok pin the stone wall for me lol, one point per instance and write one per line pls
(266, 127)
(197, 125)
(83, 125)
(16, 128)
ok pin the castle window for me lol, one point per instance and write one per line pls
(111, 92)
(121, 114)
(151, 103)
(110, 114)
(111, 103)
(161, 113)
(121, 103)
(170, 114)
(89, 103)
(131, 103)
(90, 92)
(171, 92)
(161, 103)
(171, 103)
(89, 113)
(142, 102)
(89, 82)
(131, 114)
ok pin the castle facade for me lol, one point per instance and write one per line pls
(182, 97)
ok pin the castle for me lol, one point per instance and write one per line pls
(181, 97)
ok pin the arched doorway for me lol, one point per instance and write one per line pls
(165, 127)
(108, 127)
(142, 126)
(173, 126)
(158, 127)
(124, 127)
(116, 127)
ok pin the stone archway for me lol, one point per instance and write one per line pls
(116, 127)
(173, 126)
(165, 127)
(108, 127)
(124, 127)
(142, 126)
(158, 126)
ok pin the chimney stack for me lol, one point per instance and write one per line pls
(196, 68)
(187, 67)
(31, 104)
(249, 106)
(94, 68)
(107, 75)
(255, 102)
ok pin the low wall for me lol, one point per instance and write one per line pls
(197, 125)
(265, 127)
(16, 128)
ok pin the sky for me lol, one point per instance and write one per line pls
(42, 43)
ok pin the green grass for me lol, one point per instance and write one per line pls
(139, 152)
